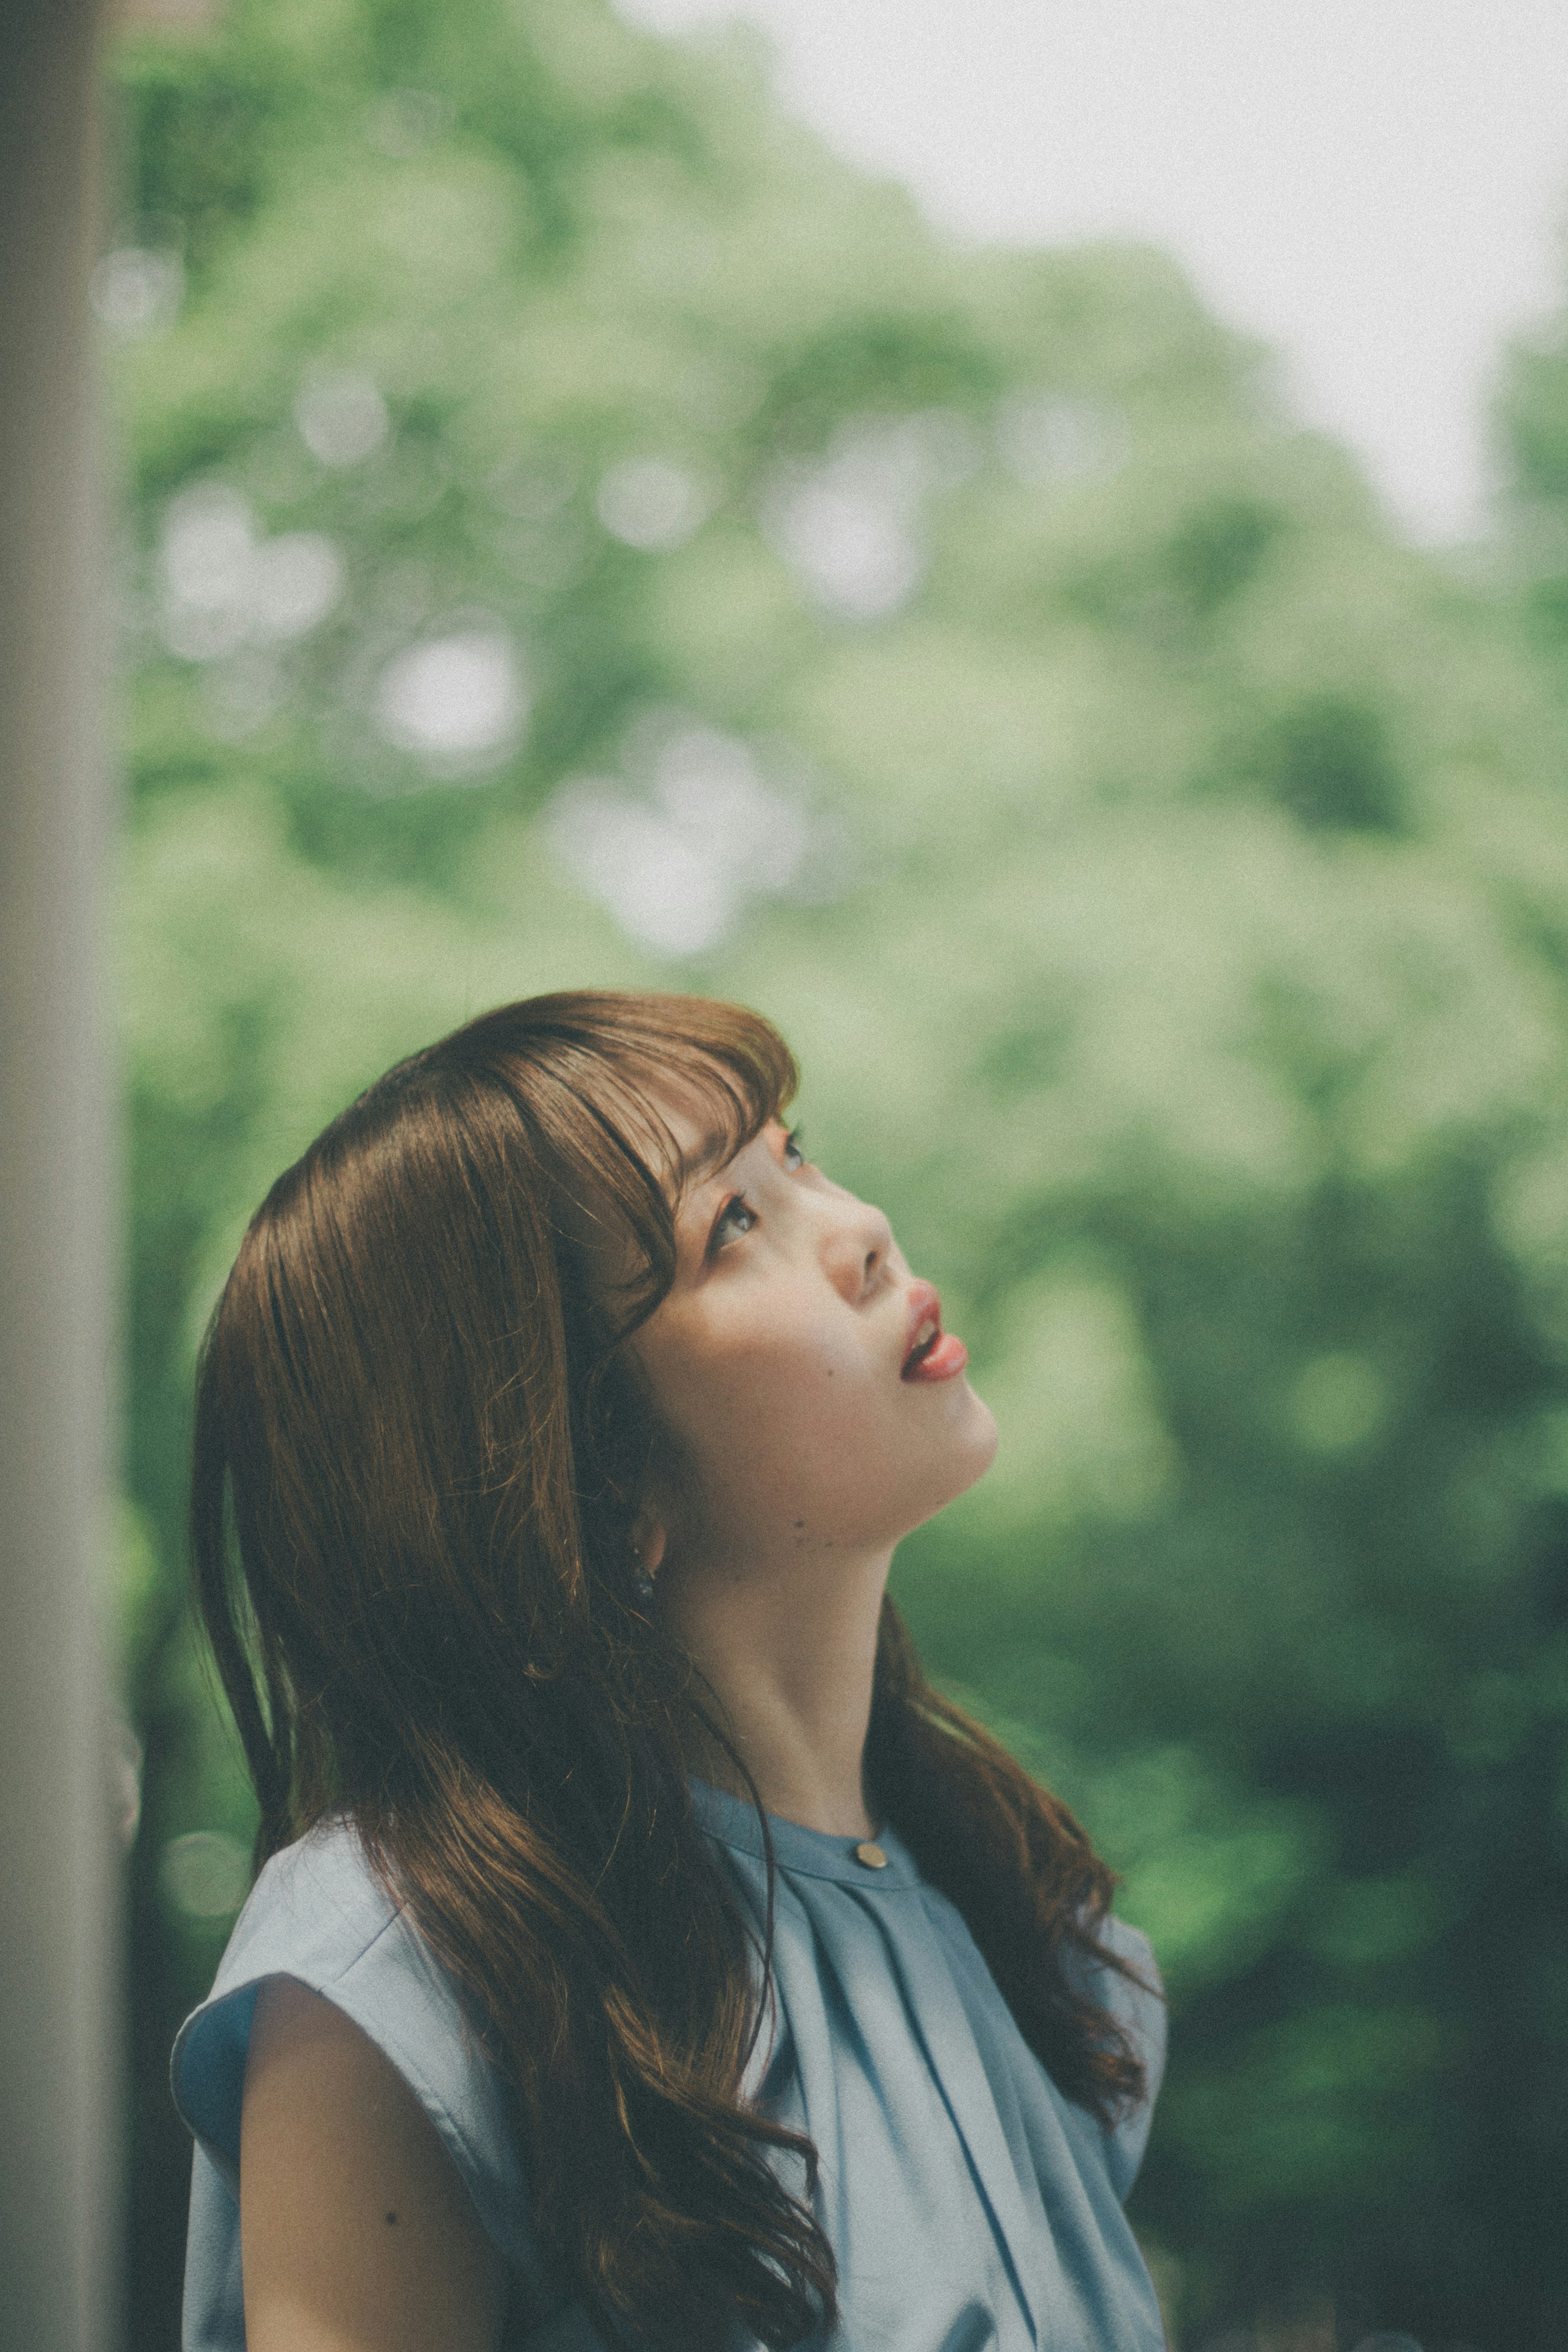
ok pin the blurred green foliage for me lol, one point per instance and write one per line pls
(1178, 949)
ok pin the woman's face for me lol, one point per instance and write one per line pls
(802, 1369)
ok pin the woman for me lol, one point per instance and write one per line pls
(644, 1953)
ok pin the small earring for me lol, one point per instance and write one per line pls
(641, 1582)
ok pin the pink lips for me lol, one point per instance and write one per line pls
(930, 1353)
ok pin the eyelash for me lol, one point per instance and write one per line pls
(793, 1158)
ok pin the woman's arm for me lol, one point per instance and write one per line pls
(357, 2233)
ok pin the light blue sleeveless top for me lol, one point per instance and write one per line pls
(972, 2207)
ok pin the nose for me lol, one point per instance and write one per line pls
(858, 1247)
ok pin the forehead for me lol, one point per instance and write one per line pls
(692, 1132)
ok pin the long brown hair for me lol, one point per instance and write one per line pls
(420, 1449)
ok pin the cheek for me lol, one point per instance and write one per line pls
(754, 1407)
(804, 1426)
(766, 1395)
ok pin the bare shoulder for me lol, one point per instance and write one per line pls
(357, 2231)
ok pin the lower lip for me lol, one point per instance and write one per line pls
(945, 1362)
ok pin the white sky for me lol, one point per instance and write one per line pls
(1375, 186)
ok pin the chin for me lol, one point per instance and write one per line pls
(964, 1454)
(980, 1439)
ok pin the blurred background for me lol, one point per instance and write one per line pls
(606, 501)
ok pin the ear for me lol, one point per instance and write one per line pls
(649, 1538)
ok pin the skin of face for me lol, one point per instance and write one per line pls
(775, 1362)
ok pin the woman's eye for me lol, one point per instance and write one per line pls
(737, 1216)
(793, 1156)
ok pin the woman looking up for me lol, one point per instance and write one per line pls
(643, 1953)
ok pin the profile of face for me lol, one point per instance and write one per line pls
(821, 1412)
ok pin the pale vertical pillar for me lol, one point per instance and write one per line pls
(60, 2110)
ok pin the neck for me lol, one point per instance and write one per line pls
(791, 1661)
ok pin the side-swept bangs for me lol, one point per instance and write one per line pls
(594, 1077)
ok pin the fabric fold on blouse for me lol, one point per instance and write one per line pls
(969, 2203)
